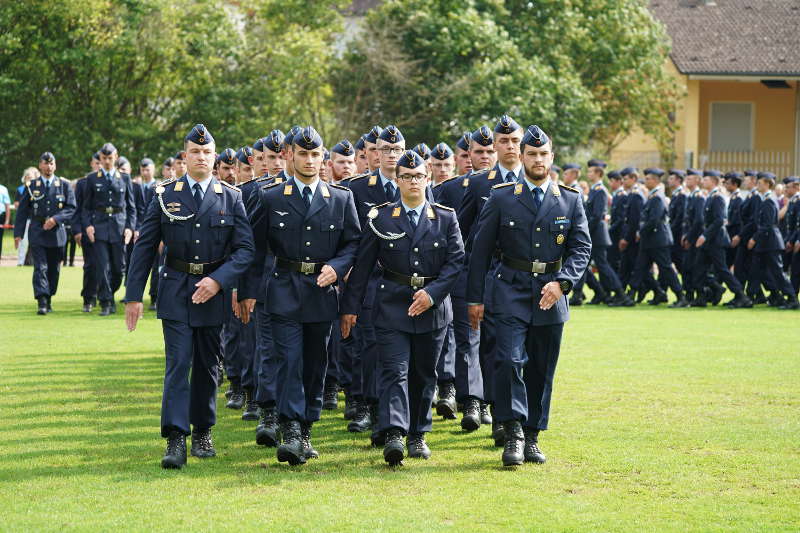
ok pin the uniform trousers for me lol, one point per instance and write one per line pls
(46, 269)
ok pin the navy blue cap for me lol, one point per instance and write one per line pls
(596, 163)
(769, 175)
(628, 170)
(146, 162)
(343, 147)
(168, 162)
(391, 134)
(571, 166)
(712, 172)
(307, 138)
(693, 172)
(108, 149)
(535, 136)
(463, 141)
(243, 154)
(179, 156)
(749, 172)
(410, 159)
(274, 141)
(372, 135)
(199, 135)
(326, 155)
(288, 139)
(96, 156)
(677, 172)
(791, 179)
(122, 161)
(506, 125)
(556, 168)
(654, 170)
(47, 156)
(735, 177)
(614, 175)
(483, 136)
(441, 151)
(227, 156)
(259, 145)
(423, 150)
(360, 143)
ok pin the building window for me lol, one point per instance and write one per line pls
(731, 127)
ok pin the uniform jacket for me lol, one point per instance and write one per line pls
(677, 210)
(263, 261)
(510, 221)
(749, 210)
(793, 219)
(476, 194)
(619, 203)
(654, 229)
(714, 211)
(435, 249)
(215, 230)
(327, 232)
(451, 192)
(596, 207)
(98, 195)
(734, 214)
(693, 216)
(39, 203)
(767, 235)
(633, 213)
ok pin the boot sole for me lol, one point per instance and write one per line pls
(171, 464)
(286, 455)
(394, 457)
(445, 410)
(470, 424)
(264, 438)
(353, 428)
(204, 455)
(512, 462)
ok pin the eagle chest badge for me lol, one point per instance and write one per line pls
(560, 238)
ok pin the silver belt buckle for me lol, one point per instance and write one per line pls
(417, 282)
(537, 267)
(307, 268)
(110, 210)
(196, 269)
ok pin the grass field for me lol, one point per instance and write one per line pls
(662, 420)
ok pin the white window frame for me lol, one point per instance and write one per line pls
(711, 123)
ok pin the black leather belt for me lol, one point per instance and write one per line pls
(197, 269)
(416, 282)
(109, 210)
(299, 266)
(536, 267)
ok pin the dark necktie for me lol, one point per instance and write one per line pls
(307, 196)
(198, 195)
(390, 191)
(412, 219)
(537, 197)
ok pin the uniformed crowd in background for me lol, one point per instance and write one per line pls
(415, 281)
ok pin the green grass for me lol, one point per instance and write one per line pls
(662, 420)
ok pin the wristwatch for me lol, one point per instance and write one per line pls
(565, 285)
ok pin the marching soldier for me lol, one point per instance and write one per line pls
(371, 148)
(461, 155)
(89, 286)
(362, 163)
(793, 230)
(733, 224)
(628, 246)
(313, 232)
(209, 244)
(108, 218)
(443, 164)
(420, 248)
(541, 231)
(619, 202)
(677, 208)
(692, 229)
(48, 202)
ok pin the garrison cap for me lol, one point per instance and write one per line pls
(343, 147)
(108, 149)
(423, 150)
(536, 137)
(677, 172)
(556, 168)
(122, 161)
(180, 156)
(288, 139)
(506, 125)
(463, 142)
(791, 179)
(227, 156)
(410, 159)
(48, 157)
(326, 155)
(96, 156)
(391, 134)
(199, 135)
(571, 166)
(441, 151)
(259, 145)
(712, 172)
(146, 162)
(693, 172)
(596, 163)
(734, 177)
(768, 175)
(307, 138)
(483, 136)
(243, 154)
(360, 143)
(749, 172)
(372, 135)
(168, 162)
(654, 170)
(614, 175)
(628, 170)
(273, 141)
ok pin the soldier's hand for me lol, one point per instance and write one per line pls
(346, 323)
(638, 237)
(90, 233)
(135, 236)
(78, 237)
(797, 247)
(701, 240)
(49, 224)
(475, 316)
(206, 289)
(422, 302)
(127, 235)
(623, 244)
(789, 247)
(551, 292)
(735, 241)
(133, 312)
(751, 244)
(347, 276)
(246, 309)
(684, 243)
(16, 243)
(327, 276)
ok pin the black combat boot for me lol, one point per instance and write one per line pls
(330, 396)
(417, 447)
(659, 297)
(175, 456)
(393, 449)
(350, 404)
(305, 434)
(446, 406)
(600, 297)
(515, 440)
(741, 302)
(532, 452)
(291, 451)
(268, 430)
(486, 418)
(471, 415)
(105, 309)
(237, 395)
(42, 305)
(577, 298)
(251, 407)
(49, 301)
(362, 419)
(202, 445)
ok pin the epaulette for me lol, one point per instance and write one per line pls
(445, 207)
(271, 185)
(248, 181)
(337, 186)
(162, 184)
(477, 173)
(384, 204)
(364, 175)
(573, 189)
(501, 185)
(228, 185)
(442, 182)
(263, 178)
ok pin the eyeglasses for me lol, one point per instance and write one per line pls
(389, 150)
(407, 178)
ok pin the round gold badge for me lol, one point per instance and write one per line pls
(560, 238)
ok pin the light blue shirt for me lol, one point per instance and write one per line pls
(515, 173)
(4, 199)
(385, 180)
(419, 210)
(544, 186)
(203, 184)
(301, 187)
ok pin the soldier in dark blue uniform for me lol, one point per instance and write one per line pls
(733, 223)
(209, 244)
(48, 202)
(313, 233)
(108, 219)
(619, 201)
(767, 243)
(655, 241)
(793, 230)
(362, 163)
(677, 208)
(628, 246)
(420, 248)
(461, 154)
(543, 239)
(89, 286)
(692, 229)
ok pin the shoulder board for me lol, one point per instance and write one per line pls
(166, 182)
(384, 204)
(443, 182)
(573, 189)
(263, 178)
(271, 185)
(501, 185)
(337, 186)
(477, 173)
(440, 206)
(248, 181)
(364, 175)
(228, 185)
